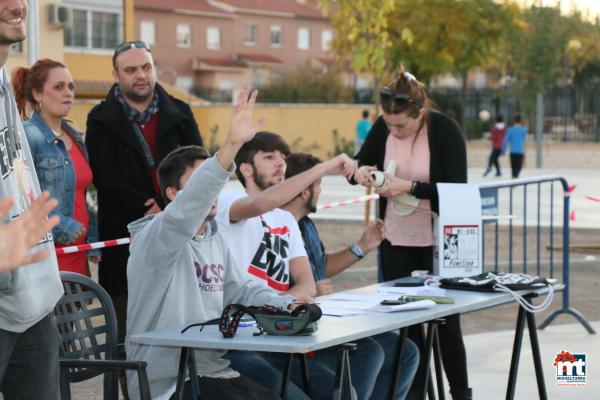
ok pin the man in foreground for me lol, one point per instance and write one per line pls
(180, 272)
(28, 339)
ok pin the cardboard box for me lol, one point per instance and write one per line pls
(457, 231)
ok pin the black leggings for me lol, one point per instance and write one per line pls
(493, 161)
(399, 261)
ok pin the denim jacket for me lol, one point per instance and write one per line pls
(56, 175)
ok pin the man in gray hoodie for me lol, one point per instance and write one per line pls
(28, 339)
(180, 271)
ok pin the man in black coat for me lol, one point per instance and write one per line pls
(128, 135)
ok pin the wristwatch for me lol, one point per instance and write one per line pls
(356, 251)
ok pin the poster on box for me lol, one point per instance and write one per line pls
(457, 248)
(461, 247)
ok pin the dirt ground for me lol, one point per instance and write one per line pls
(584, 274)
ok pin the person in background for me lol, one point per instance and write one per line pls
(497, 138)
(382, 347)
(59, 155)
(428, 147)
(127, 136)
(28, 339)
(363, 126)
(515, 139)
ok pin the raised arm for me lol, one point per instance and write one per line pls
(241, 128)
(282, 193)
(183, 217)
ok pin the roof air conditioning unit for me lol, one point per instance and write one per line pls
(59, 16)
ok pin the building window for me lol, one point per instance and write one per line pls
(105, 30)
(95, 30)
(184, 35)
(303, 38)
(225, 84)
(276, 36)
(326, 38)
(213, 38)
(148, 32)
(184, 82)
(251, 34)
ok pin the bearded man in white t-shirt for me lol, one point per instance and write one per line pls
(266, 243)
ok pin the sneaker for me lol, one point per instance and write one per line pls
(487, 171)
(498, 174)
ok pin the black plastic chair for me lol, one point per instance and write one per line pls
(87, 325)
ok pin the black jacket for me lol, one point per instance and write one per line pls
(122, 175)
(448, 156)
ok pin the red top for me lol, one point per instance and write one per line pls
(77, 262)
(497, 135)
(149, 130)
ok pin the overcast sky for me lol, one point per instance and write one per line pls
(593, 6)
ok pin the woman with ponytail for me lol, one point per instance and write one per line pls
(424, 147)
(46, 90)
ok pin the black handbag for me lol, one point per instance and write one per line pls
(504, 282)
(491, 281)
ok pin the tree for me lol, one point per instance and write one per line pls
(540, 50)
(434, 37)
(362, 34)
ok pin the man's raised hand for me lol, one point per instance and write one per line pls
(243, 128)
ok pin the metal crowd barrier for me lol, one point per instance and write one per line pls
(534, 207)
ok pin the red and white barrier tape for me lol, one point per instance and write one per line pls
(118, 242)
(343, 203)
(90, 246)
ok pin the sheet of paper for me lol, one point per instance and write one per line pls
(360, 301)
(333, 310)
(413, 305)
(413, 290)
(349, 305)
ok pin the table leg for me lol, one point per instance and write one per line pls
(514, 362)
(437, 358)
(305, 376)
(397, 362)
(427, 383)
(343, 368)
(185, 351)
(286, 377)
(193, 375)
(537, 361)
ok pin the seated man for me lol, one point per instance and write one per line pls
(325, 265)
(267, 245)
(180, 271)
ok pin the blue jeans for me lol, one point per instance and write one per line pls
(371, 367)
(267, 370)
(29, 362)
(408, 366)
